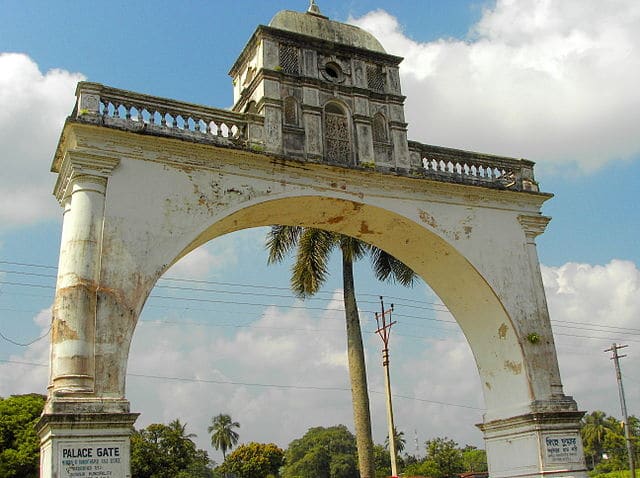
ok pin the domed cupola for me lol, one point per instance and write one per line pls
(323, 91)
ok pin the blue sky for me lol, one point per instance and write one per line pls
(554, 82)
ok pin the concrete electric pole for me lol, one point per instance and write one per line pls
(627, 433)
(384, 331)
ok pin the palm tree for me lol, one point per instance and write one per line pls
(309, 273)
(399, 438)
(223, 435)
(595, 428)
(180, 430)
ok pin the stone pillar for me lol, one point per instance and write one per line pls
(85, 444)
(398, 136)
(81, 189)
(533, 226)
(363, 140)
(312, 124)
(546, 441)
(80, 432)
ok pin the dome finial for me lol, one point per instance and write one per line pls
(314, 9)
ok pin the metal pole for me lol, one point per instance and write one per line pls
(625, 420)
(392, 435)
(384, 331)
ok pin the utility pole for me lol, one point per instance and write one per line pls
(627, 434)
(384, 331)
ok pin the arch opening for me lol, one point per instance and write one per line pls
(474, 305)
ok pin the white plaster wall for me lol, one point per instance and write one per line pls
(166, 197)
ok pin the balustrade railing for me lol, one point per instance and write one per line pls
(467, 167)
(106, 106)
(120, 108)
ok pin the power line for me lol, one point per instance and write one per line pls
(555, 323)
(441, 307)
(261, 385)
(19, 344)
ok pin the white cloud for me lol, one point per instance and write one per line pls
(290, 347)
(591, 307)
(283, 347)
(248, 371)
(34, 107)
(19, 374)
(199, 263)
(553, 81)
(219, 255)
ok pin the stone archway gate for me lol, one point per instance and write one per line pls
(145, 180)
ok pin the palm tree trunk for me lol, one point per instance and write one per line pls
(357, 374)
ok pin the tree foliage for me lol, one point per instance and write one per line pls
(603, 438)
(167, 451)
(322, 453)
(19, 443)
(254, 460)
(223, 435)
(474, 459)
(445, 459)
(382, 459)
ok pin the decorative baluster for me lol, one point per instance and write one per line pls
(127, 113)
(163, 118)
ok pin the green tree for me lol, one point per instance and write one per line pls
(382, 460)
(445, 456)
(309, 272)
(594, 430)
(167, 451)
(322, 453)
(400, 441)
(474, 459)
(223, 435)
(254, 460)
(19, 444)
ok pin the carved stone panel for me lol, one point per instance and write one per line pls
(337, 138)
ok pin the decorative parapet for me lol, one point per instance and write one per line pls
(468, 167)
(144, 114)
(111, 107)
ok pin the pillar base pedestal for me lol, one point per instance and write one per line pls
(87, 445)
(539, 444)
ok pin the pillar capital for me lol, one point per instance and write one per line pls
(533, 225)
(81, 164)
